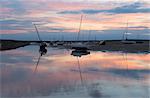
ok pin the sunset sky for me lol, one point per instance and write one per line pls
(59, 19)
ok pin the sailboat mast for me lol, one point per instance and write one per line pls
(126, 33)
(37, 33)
(89, 35)
(124, 37)
(80, 27)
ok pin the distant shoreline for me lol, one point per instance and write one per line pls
(72, 40)
(93, 45)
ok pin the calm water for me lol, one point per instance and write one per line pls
(61, 75)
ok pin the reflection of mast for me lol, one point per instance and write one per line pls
(126, 59)
(81, 78)
(37, 63)
(42, 52)
(78, 53)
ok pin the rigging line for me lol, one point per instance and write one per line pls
(80, 27)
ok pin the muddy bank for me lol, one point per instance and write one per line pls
(12, 44)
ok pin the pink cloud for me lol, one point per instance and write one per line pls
(12, 31)
(35, 11)
(5, 10)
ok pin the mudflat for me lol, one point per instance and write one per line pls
(12, 44)
(107, 45)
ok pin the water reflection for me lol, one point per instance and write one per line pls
(95, 76)
(42, 51)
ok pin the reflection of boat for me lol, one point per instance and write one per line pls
(79, 53)
(42, 52)
(43, 49)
